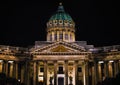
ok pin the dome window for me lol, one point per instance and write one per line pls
(65, 21)
(60, 21)
(70, 22)
(61, 36)
(55, 36)
(66, 36)
(71, 38)
(50, 22)
(50, 37)
(55, 21)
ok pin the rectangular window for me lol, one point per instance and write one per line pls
(79, 69)
(61, 69)
(41, 69)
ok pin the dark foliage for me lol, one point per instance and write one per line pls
(111, 81)
(4, 80)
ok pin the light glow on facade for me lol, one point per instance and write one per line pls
(101, 62)
(1, 61)
(111, 61)
(10, 61)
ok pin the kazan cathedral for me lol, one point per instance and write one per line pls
(61, 60)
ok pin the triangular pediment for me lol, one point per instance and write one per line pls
(59, 47)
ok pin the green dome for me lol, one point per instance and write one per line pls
(61, 14)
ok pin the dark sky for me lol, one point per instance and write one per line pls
(22, 22)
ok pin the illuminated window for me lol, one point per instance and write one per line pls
(60, 68)
(79, 69)
(50, 37)
(66, 36)
(65, 21)
(55, 36)
(55, 21)
(70, 36)
(50, 22)
(70, 22)
(60, 21)
(61, 36)
(1, 61)
(41, 69)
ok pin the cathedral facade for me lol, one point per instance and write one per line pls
(61, 60)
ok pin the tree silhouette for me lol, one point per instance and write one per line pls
(4, 80)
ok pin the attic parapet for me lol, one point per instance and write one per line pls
(110, 48)
(12, 49)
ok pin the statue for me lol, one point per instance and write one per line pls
(51, 78)
(71, 79)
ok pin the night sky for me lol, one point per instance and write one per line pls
(22, 22)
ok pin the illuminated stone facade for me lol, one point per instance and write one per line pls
(60, 60)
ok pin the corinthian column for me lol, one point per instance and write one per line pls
(1, 66)
(53, 36)
(99, 71)
(84, 73)
(22, 73)
(16, 70)
(6, 68)
(55, 72)
(11, 69)
(110, 69)
(66, 72)
(87, 72)
(34, 73)
(76, 73)
(58, 35)
(63, 36)
(105, 69)
(115, 68)
(95, 73)
(45, 72)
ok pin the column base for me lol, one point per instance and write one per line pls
(70, 84)
(50, 84)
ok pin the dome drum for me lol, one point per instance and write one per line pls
(61, 27)
(60, 23)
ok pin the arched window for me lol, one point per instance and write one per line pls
(50, 37)
(66, 36)
(71, 38)
(61, 36)
(55, 36)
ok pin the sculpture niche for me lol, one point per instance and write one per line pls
(70, 79)
(51, 78)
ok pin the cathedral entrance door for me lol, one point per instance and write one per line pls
(60, 80)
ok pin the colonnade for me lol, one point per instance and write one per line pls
(102, 69)
(97, 71)
(56, 36)
(55, 74)
(10, 68)
(14, 69)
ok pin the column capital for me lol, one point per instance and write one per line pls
(76, 61)
(16, 62)
(55, 61)
(6, 61)
(66, 61)
(45, 61)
